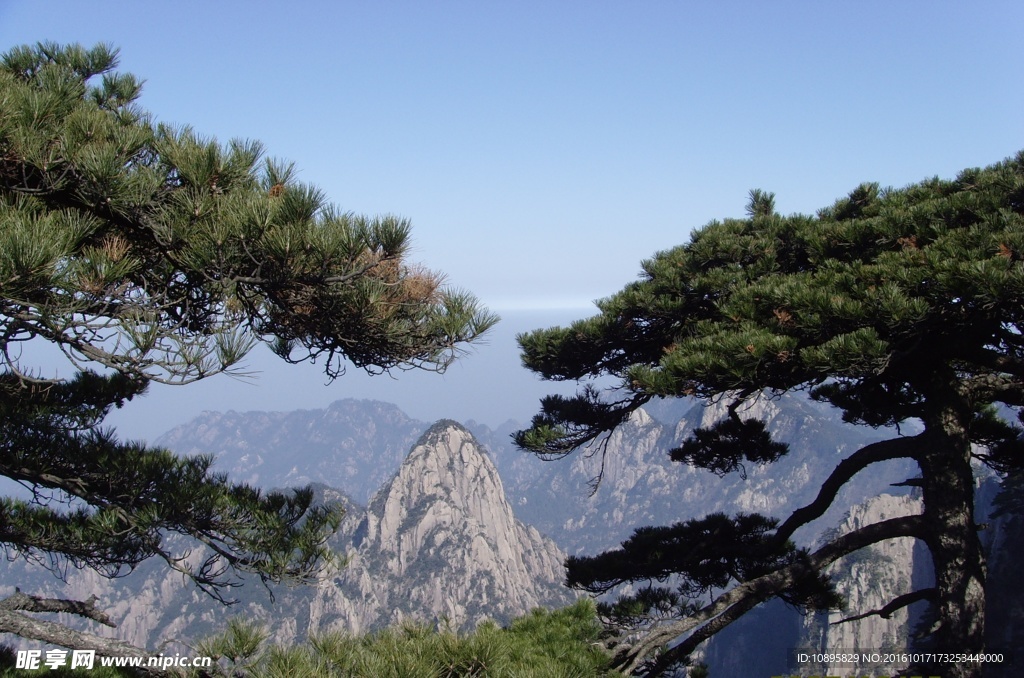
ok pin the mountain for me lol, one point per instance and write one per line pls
(354, 445)
(433, 528)
(762, 642)
(438, 543)
(441, 536)
(868, 580)
(640, 486)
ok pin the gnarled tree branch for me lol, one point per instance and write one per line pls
(13, 621)
(28, 603)
(733, 603)
(896, 604)
(884, 450)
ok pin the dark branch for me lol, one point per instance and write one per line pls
(995, 387)
(1000, 362)
(896, 604)
(27, 603)
(52, 633)
(885, 450)
(909, 482)
(743, 597)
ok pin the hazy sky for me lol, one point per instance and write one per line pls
(543, 149)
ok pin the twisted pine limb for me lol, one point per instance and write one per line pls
(883, 450)
(735, 602)
(87, 608)
(13, 621)
(897, 603)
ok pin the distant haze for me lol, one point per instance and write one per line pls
(488, 385)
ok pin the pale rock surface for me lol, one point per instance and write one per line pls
(868, 580)
(442, 537)
(439, 544)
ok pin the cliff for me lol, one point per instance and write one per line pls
(438, 543)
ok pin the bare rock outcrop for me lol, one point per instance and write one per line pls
(438, 544)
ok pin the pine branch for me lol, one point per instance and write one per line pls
(29, 603)
(998, 361)
(896, 604)
(1008, 390)
(733, 603)
(12, 621)
(56, 634)
(885, 450)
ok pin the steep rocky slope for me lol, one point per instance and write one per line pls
(760, 642)
(868, 580)
(438, 540)
(439, 543)
(441, 536)
(641, 486)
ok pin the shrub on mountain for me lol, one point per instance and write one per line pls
(540, 644)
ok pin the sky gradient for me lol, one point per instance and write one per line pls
(542, 150)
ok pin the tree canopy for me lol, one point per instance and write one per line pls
(892, 305)
(143, 252)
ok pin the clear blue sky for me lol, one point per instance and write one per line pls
(542, 149)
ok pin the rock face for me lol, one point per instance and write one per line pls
(1003, 540)
(868, 580)
(438, 544)
(640, 486)
(1004, 622)
(441, 536)
(430, 533)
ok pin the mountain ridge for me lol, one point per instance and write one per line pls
(407, 559)
(439, 540)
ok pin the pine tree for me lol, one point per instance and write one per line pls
(891, 306)
(537, 645)
(143, 253)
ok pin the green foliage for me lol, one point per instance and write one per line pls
(722, 447)
(709, 551)
(891, 305)
(542, 644)
(143, 252)
(857, 303)
(780, 302)
(239, 647)
(55, 427)
(118, 228)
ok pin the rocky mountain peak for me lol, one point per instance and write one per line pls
(438, 543)
(447, 464)
(445, 528)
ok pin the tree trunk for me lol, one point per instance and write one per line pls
(952, 538)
